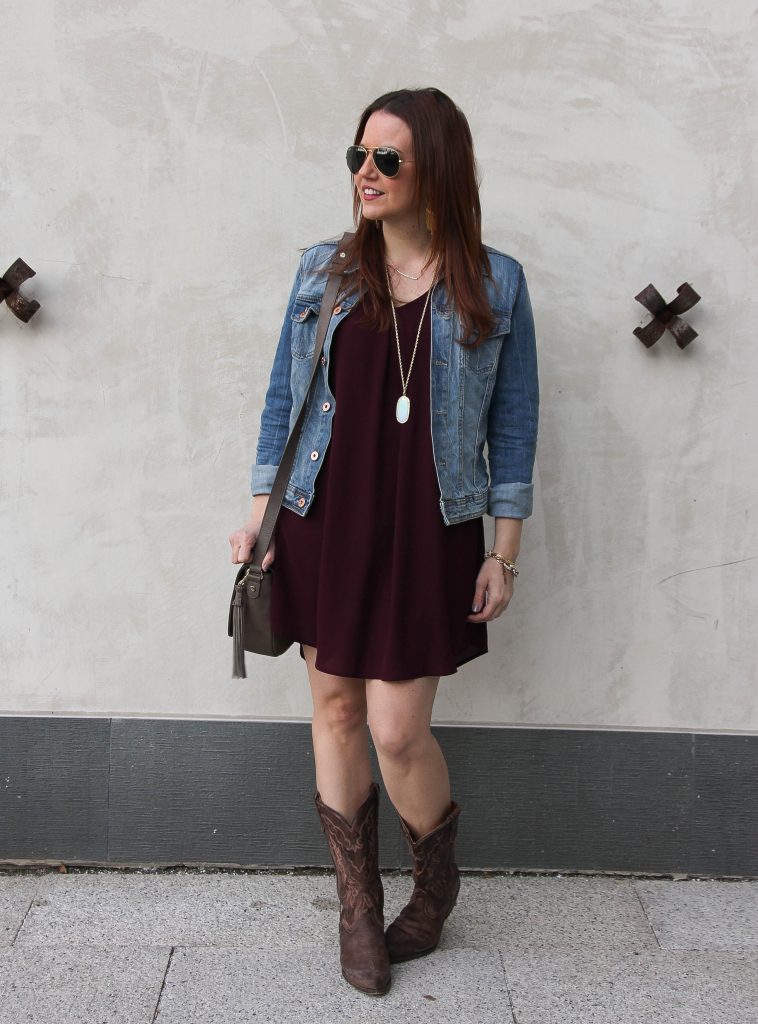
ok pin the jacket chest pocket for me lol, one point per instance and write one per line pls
(304, 316)
(483, 358)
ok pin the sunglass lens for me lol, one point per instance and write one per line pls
(356, 156)
(387, 161)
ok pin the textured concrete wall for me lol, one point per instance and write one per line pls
(159, 167)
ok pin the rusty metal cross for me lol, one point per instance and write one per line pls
(665, 315)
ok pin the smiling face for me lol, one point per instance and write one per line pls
(396, 201)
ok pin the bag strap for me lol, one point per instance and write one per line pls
(279, 487)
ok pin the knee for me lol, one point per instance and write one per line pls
(394, 739)
(341, 714)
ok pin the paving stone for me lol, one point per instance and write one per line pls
(16, 893)
(304, 984)
(664, 987)
(187, 907)
(80, 984)
(702, 914)
(533, 913)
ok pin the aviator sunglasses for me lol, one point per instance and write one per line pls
(386, 160)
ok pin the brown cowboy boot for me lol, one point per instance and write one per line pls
(355, 851)
(417, 928)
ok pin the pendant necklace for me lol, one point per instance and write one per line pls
(403, 407)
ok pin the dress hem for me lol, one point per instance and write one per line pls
(392, 679)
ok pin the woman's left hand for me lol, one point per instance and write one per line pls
(494, 589)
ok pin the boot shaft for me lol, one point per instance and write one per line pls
(434, 853)
(354, 849)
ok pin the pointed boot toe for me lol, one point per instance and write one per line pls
(373, 978)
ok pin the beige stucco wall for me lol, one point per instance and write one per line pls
(160, 166)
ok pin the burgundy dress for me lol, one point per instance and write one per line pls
(371, 576)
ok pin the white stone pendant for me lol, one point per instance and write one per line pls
(403, 409)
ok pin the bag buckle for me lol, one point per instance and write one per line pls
(255, 571)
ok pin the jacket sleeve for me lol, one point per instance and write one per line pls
(514, 414)
(275, 417)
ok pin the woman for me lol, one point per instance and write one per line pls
(381, 571)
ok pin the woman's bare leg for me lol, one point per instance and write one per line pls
(340, 738)
(413, 766)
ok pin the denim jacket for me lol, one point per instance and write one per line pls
(486, 394)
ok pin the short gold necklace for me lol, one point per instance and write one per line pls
(403, 407)
(409, 277)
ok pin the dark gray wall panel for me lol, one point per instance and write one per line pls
(54, 789)
(159, 791)
(723, 823)
(573, 798)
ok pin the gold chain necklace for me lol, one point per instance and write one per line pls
(403, 407)
(408, 276)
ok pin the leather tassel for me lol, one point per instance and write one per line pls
(238, 664)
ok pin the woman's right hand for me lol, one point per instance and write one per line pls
(242, 541)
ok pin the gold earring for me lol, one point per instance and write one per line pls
(429, 219)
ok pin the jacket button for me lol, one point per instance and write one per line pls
(337, 309)
(314, 456)
(326, 406)
(301, 502)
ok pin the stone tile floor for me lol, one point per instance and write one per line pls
(185, 946)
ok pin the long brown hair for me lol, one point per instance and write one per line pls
(446, 183)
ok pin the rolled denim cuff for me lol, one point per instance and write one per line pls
(511, 501)
(262, 479)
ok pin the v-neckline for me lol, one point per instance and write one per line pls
(411, 301)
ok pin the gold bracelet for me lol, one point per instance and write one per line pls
(506, 563)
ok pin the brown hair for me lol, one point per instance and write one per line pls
(446, 182)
